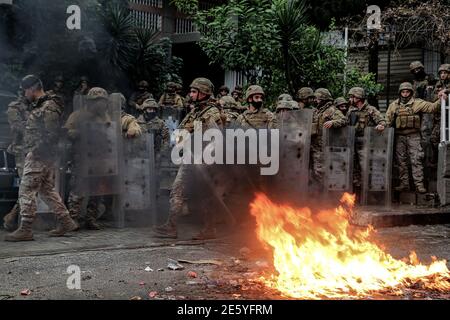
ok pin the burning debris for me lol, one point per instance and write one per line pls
(320, 255)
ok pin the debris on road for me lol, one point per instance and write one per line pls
(148, 269)
(152, 294)
(25, 292)
(169, 289)
(192, 274)
(215, 262)
(174, 265)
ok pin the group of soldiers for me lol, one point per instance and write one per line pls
(36, 119)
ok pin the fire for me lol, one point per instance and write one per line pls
(321, 256)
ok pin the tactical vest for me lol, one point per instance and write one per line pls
(256, 120)
(406, 118)
(362, 118)
(197, 114)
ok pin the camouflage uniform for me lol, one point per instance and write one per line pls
(258, 118)
(138, 97)
(18, 112)
(324, 113)
(421, 82)
(303, 95)
(130, 125)
(366, 116)
(342, 105)
(40, 145)
(405, 118)
(208, 114)
(170, 98)
(230, 110)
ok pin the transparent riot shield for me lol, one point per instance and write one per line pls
(167, 112)
(376, 166)
(139, 180)
(338, 152)
(99, 156)
(295, 139)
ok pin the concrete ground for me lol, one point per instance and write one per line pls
(132, 264)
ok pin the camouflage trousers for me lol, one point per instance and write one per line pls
(409, 147)
(316, 159)
(75, 204)
(177, 197)
(39, 178)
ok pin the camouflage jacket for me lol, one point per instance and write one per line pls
(421, 88)
(206, 112)
(405, 118)
(42, 129)
(159, 128)
(18, 112)
(328, 112)
(130, 126)
(367, 116)
(258, 119)
(438, 87)
(174, 100)
(230, 116)
(138, 98)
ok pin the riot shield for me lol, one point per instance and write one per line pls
(172, 125)
(170, 112)
(98, 153)
(295, 139)
(139, 180)
(338, 152)
(377, 166)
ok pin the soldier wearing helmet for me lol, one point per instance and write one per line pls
(256, 116)
(341, 104)
(325, 116)
(83, 86)
(223, 91)
(443, 81)
(404, 114)
(150, 121)
(138, 97)
(305, 98)
(170, 97)
(40, 141)
(361, 115)
(286, 103)
(237, 94)
(422, 83)
(206, 112)
(230, 109)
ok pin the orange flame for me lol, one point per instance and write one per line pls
(320, 255)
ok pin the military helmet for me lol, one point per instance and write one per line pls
(30, 81)
(203, 85)
(415, 64)
(178, 86)
(238, 88)
(229, 102)
(357, 92)
(171, 85)
(444, 67)
(339, 101)
(150, 103)
(97, 93)
(323, 94)
(286, 105)
(285, 97)
(84, 78)
(143, 83)
(252, 90)
(305, 93)
(224, 88)
(405, 86)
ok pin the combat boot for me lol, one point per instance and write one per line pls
(167, 230)
(24, 233)
(10, 220)
(92, 225)
(66, 224)
(420, 188)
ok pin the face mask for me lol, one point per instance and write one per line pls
(405, 100)
(257, 104)
(149, 115)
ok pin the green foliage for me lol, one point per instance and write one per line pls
(367, 81)
(189, 7)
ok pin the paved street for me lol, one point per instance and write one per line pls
(113, 264)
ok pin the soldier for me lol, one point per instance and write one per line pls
(40, 142)
(361, 115)
(422, 83)
(342, 105)
(443, 82)
(83, 87)
(223, 91)
(230, 109)
(17, 112)
(206, 112)
(237, 94)
(256, 116)
(171, 98)
(404, 115)
(325, 116)
(286, 103)
(138, 97)
(58, 88)
(150, 121)
(305, 98)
